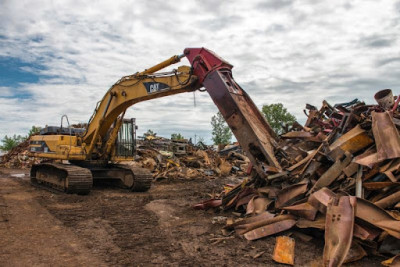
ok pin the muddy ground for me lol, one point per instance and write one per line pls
(113, 227)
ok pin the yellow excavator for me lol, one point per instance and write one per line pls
(82, 156)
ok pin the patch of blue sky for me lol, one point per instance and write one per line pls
(14, 73)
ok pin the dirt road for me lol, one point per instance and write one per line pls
(111, 227)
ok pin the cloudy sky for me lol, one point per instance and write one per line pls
(60, 57)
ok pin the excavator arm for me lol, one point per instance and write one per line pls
(130, 90)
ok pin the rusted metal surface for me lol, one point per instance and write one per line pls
(310, 156)
(388, 201)
(386, 136)
(311, 169)
(258, 205)
(329, 176)
(318, 222)
(211, 203)
(246, 200)
(250, 220)
(351, 169)
(302, 236)
(378, 217)
(284, 250)
(339, 225)
(379, 185)
(392, 262)
(306, 135)
(320, 199)
(365, 232)
(355, 253)
(244, 228)
(290, 193)
(278, 175)
(385, 99)
(365, 211)
(270, 229)
(368, 158)
(304, 210)
(391, 169)
(326, 164)
(243, 192)
(352, 141)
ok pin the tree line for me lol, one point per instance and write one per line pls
(9, 142)
(276, 115)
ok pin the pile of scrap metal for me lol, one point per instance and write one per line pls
(18, 157)
(340, 175)
(168, 159)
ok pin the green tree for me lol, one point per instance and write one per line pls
(11, 142)
(277, 116)
(149, 133)
(34, 130)
(221, 133)
(177, 136)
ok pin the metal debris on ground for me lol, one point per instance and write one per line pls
(165, 158)
(284, 250)
(171, 159)
(18, 157)
(340, 175)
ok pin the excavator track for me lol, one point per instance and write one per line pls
(65, 178)
(142, 178)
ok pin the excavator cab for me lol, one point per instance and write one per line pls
(125, 144)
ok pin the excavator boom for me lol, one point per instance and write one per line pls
(133, 89)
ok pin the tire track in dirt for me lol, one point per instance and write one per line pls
(114, 225)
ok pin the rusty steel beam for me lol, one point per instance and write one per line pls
(251, 220)
(304, 210)
(352, 141)
(386, 136)
(333, 172)
(275, 225)
(244, 228)
(286, 196)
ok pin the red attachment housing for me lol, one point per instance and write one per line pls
(204, 61)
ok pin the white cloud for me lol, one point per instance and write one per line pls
(294, 52)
